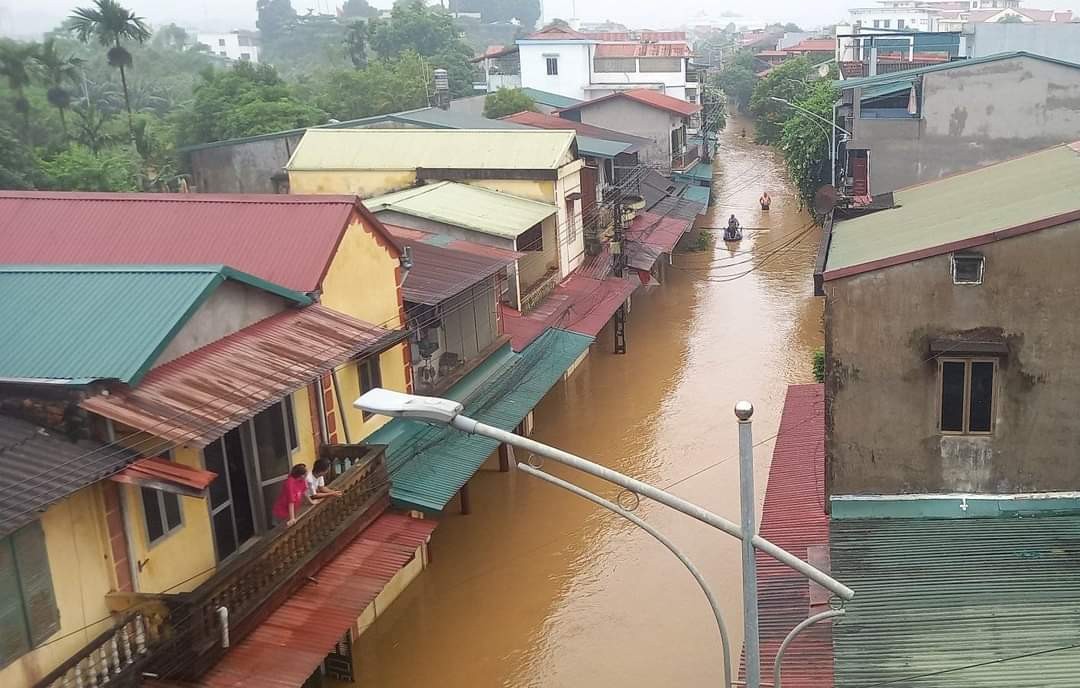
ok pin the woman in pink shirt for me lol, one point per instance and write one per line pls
(291, 496)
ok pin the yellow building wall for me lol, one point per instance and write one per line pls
(363, 183)
(543, 191)
(392, 365)
(81, 567)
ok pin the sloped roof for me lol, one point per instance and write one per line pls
(1024, 194)
(911, 74)
(549, 99)
(649, 97)
(541, 120)
(288, 240)
(78, 324)
(813, 45)
(437, 118)
(409, 149)
(642, 50)
(470, 207)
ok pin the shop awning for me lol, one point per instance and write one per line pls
(167, 476)
(429, 464)
(288, 647)
(200, 396)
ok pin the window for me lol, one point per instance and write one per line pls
(571, 222)
(532, 239)
(661, 64)
(609, 171)
(877, 24)
(290, 421)
(967, 395)
(552, 66)
(899, 23)
(245, 56)
(370, 377)
(28, 613)
(967, 268)
(161, 510)
(221, 42)
(888, 22)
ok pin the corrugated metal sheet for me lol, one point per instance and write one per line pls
(581, 304)
(466, 206)
(409, 236)
(293, 641)
(814, 45)
(937, 595)
(287, 240)
(428, 464)
(165, 474)
(437, 118)
(204, 394)
(636, 35)
(39, 467)
(548, 99)
(976, 203)
(643, 50)
(650, 97)
(439, 273)
(408, 149)
(700, 172)
(794, 518)
(545, 121)
(78, 324)
(601, 148)
(652, 234)
(698, 194)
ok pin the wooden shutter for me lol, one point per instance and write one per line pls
(13, 639)
(35, 582)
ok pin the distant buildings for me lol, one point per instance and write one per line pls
(240, 45)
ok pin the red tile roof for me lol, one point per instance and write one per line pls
(293, 641)
(288, 240)
(202, 395)
(579, 304)
(645, 96)
(814, 45)
(794, 518)
(642, 50)
(545, 121)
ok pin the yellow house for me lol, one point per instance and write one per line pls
(536, 164)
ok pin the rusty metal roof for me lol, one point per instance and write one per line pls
(39, 467)
(643, 50)
(794, 518)
(646, 96)
(287, 239)
(295, 638)
(202, 395)
(162, 474)
(580, 304)
(439, 273)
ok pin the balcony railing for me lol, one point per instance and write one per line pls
(539, 290)
(685, 161)
(179, 637)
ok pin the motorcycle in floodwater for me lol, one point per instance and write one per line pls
(733, 231)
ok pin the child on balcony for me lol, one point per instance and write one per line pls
(316, 482)
(291, 496)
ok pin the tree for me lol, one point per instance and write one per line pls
(16, 65)
(358, 8)
(92, 127)
(111, 24)
(171, 37)
(274, 17)
(789, 81)
(507, 101)
(414, 26)
(356, 42)
(805, 139)
(58, 70)
(737, 80)
(19, 168)
(77, 168)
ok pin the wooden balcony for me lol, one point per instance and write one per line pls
(179, 637)
(683, 162)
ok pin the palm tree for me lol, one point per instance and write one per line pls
(58, 70)
(110, 24)
(16, 65)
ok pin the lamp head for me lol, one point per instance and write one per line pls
(386, 402)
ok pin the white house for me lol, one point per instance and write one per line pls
(570, 63)
(240, 45)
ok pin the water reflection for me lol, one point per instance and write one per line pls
(540, 588)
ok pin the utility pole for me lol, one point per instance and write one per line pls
(743, 411)
(618, 266)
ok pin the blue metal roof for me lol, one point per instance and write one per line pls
(429, 464)
(698, 194)
(550, 99)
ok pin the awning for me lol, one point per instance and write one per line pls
(429, 464)
(651, 235)
(286, 648)
(160, 474)
(200, 396)
(439, 273)
(581, 304)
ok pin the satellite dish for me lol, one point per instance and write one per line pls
(825, 199)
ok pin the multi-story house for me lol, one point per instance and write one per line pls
(240, 45)
(580, 65)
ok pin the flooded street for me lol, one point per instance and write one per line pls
(540, 588)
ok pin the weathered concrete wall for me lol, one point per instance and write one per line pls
(241, 167)
(971, 117)
(882, 383)
(629, 117)
(1059, 40)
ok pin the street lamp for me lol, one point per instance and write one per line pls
(832, 138)
(447, 412)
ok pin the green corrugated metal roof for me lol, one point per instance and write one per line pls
(879, 90)
(74, 324)
(935, 595)
(964, 206)
(698, 194)
(462, 205)
(550, 99)
(701, 172)
(429, 464)
(408, 149)
(601, 148)
(910, 74)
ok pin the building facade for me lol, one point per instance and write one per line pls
(239, 46)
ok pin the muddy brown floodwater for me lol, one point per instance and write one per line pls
(540, 588)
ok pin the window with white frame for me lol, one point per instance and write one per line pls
(967, 268)
(552, 64)
(966, 395)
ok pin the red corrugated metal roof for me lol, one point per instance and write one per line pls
(648, 97)
(408, 235)
(202, 395)
(149, 472)
(288, 239)
(440, 272)
(293, 641)
(579, 304)
(813, 45)
(642, 50)
(794, 518)
(545, 121)
(622, 36)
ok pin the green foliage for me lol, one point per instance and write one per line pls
(108, 23)
(413, 26)
(491, 11)
(356, 44)
(78, 169)
(507, 101)
(358, 8)
(705, 240)
(243, 101)
(274, 16)
(789, 81)
(308, 45)
(805, 140)
(819, 366)
(737, 80)
(19, 167)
